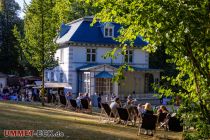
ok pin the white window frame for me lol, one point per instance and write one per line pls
(129, 55)
(91, 53)
(110, 29)
(86, 82)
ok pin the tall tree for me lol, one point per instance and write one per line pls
(79, 9)
(182, 26)
(8, 50)
(42, 19)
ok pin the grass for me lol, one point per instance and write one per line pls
(81, 126)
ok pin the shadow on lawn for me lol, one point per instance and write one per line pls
(74, 125)
(71, 128)
(54, 111)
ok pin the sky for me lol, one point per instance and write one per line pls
(21, 3)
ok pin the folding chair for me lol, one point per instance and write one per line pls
(105, 109)
(73, 104)
(148, 123)
(124, 115)
(162, 117)
(62, 99)
(85, 105)
(174, 124)
(136, 115)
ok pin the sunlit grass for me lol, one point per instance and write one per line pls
(74, 125)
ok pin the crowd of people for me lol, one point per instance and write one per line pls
(143, 110)
(18, 93)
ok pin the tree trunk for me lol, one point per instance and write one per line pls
(42, 89)
(43, 55)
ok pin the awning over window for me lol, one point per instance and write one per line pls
(52, 85)
(104, 74)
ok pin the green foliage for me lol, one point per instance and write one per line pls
(81, 8)
(10, 54)
(42, 19)
(183, 28)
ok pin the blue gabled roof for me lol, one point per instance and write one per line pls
(85, 33)
(93, 34)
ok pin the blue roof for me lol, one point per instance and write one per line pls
(85, 33)
(93, 34)
(104, 74)
(64, 29)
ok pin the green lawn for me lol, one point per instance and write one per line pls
(74, 125)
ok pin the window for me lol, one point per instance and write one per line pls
(46, 76)
(61, 56)
(91, 55)
(61, 77)
(104, 85)
(52, 76)
(109, 30)
(86, 82)
(129, 56)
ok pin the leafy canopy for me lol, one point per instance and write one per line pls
(42, 20)
(183, 27)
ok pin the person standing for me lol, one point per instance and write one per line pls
(99, 100)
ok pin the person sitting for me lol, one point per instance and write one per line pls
(68, 96)
(129, 98)
(131, 110)
(86, 96)
(140, 109)
(162, 109)
(78, 100)
(147, 111)
(162, 113)
(114, 105)
(164, 124)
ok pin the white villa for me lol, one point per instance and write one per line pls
(81, 64)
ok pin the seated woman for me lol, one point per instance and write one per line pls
(86, 97)
(164, 124)
(114, 105)
(131, 110)
(78, 100)
(68, 96)
(162, 113)
(140, 109)
(162, 109)
(147, 111)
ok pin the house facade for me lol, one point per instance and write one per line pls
(82, 65)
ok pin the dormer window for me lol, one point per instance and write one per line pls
(109, 30)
